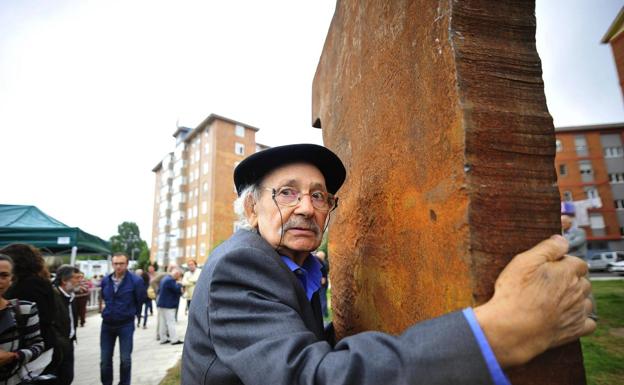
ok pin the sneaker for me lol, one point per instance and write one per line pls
(144, 327)
(178, 342)
(164, 342)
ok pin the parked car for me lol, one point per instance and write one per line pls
(601, 261)
(616, 267)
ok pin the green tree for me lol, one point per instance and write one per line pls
(128, 240)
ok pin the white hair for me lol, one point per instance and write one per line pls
(249, 192)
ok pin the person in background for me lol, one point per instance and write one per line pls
(148, 301)
(32, 283)
(66, 282)
(575, 236)
(20, 336)
(189, 280)
(123, 294)
(168, 302)
(81, 297)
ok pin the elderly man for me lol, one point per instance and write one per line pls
(66, 282)
(256, 318)
(167, 303)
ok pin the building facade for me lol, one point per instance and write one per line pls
(590, 168)
(194, 190)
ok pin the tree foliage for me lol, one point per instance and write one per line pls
(128, 241)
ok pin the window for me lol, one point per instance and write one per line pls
(613, 152)
(203, 228)
(239, 149)
(559, 145)
(207, 148)
(580, 143)
(205, 168)
(586, 170)
(205, 186)
(563, 170)
(194, 231)
(619, 204)
(194, 211)
(193, 251)
(617, 177)
(596, 221)
(240, 131)
(202, 249)
(204, 208)
(567, 196)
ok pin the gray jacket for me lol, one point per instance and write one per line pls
(250, 322)
(577, 240)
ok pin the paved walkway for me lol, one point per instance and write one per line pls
(150, 360)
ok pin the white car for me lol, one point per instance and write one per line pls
(600, 261)
(616, 267)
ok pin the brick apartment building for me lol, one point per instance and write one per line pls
(590, 164)
(194, 190)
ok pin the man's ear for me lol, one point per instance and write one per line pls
(250, 211)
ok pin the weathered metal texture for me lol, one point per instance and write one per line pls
(438, 111)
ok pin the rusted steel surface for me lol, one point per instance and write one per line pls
(438, 111)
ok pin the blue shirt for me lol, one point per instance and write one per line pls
(310, 275)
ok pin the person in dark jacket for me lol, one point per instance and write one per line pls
(168, 302)
(66, 322)
(123, 294)
(32, 283)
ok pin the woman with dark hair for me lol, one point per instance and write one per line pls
(32, 283)
(20, 339)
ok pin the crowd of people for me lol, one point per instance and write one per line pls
(40, 313)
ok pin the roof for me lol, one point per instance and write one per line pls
(616, 27)
(593, 127)
(211, 118)
(26, 216)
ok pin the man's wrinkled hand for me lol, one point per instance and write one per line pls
(540, 302)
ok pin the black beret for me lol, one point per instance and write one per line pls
(253, 168)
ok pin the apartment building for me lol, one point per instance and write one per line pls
(194, 190)
(615, 38)
(590, 165)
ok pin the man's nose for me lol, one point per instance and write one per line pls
(304, 207)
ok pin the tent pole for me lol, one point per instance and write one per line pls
(72, 261)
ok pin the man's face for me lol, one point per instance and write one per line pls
(120, 264)
(302, 223)
(150, 269)
(192, 266)
(71, 284)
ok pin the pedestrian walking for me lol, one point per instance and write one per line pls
(123, 294)
(66, 282)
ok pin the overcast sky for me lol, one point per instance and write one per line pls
(90, 91)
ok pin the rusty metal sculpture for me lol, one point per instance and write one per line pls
(438, 111)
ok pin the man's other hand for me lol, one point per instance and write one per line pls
(540, 302)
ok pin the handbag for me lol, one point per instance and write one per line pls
(30, 372)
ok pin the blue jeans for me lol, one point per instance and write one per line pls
(147, 306)
(108, 335)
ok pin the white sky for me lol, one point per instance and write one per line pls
(90, 91)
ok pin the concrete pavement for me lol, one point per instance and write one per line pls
(150, 360)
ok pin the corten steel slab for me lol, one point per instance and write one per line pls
(438, 111)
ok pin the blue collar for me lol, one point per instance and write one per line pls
(309, 274)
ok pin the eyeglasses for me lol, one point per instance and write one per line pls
(289, 197)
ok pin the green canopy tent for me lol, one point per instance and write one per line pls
(28, 224)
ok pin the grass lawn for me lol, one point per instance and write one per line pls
(603, 351)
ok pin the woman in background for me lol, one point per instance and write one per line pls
(32, 283)
(20, 338)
